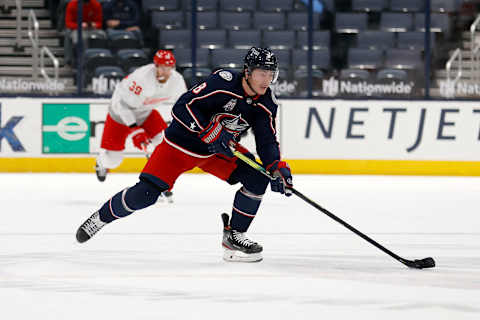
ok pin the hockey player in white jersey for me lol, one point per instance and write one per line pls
(132, 109)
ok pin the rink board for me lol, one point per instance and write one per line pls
(316, 136)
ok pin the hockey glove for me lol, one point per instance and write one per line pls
(217, 138)
(141, 140)
(283, 177)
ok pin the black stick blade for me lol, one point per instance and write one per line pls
(421, 264)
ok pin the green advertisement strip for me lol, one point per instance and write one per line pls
(65, 128)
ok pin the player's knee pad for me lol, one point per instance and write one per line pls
(110, 159)
(141, 195)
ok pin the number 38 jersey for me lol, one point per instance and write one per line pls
(222, 98)
(138, 93)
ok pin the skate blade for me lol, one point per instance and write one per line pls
(238, 256)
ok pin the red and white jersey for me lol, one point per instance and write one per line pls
(140, 92)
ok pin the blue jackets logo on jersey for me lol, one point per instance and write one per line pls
(233, 123)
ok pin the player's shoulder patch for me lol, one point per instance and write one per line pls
(226, 75)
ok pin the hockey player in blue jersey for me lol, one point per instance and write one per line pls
(208, 120)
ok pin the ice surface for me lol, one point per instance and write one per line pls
(165, 262)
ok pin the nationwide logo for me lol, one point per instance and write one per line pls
(333, 87)
(66, 128)
(451, 89)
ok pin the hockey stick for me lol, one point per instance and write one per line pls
(417, 264)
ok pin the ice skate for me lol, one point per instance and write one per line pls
(238, 248)
(101, 172)
(168, 195)
(165, 197)
(90, 227)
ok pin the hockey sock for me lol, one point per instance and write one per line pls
(125, 202)
(245, 207)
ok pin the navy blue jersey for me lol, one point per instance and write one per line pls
(222, 98)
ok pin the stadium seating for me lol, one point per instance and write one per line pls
(276, 5)
(350, 22)
(129, 58)
(321, 40)
(211, 39)
(167, 20)
(376, 40)
(235, 20)
(244, 39)
(396, 22)
(184, 57)
(164, 5)
(284, 39)
(406, 5)
(359, 58)
(369, 5)
(269, 21)
(238, 5)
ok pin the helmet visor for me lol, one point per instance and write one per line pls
(266, 73)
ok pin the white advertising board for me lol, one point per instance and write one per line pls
(381, 130)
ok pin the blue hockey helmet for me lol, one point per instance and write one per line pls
(261, 58)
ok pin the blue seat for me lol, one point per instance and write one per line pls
(414, 40)
(238, 5)
(172, 39)
(122, 39)
(164, 5)
(245, 39)
(444, 6)
(403, 59)
(132, 58)
(354, 74)
(369, 5)
(95, 57)
(359, 58)
(350, 22)
(276, 5)
(211, 39)
(392, 74)
(375, 40)
(406, 5)
(235, 20)
(167, 20)
(202, 5)
(97, 39)
(205, 20)
(321, 59)
(184, 57)
(228, 58)
(299, 21)
(200, 75)
(301, 76)
(396, 22)
(283, 58)
(321, 40)
(269, 21)
(109, 72)
(439, 23)
(284, 39)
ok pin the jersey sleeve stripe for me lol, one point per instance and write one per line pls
(183, 124)
(192, 114)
